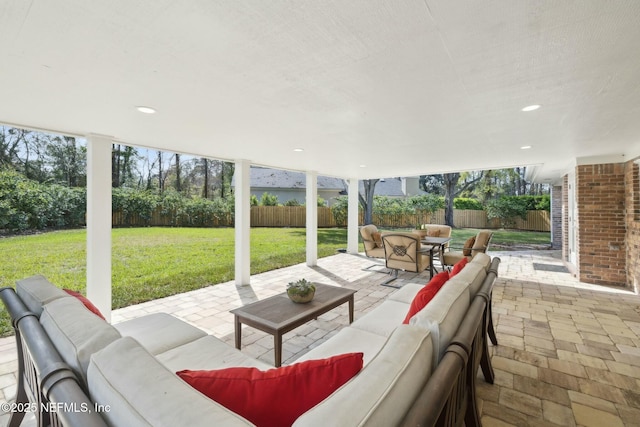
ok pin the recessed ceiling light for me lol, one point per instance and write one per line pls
(146, 110)
(298, 150)
(525, 147)
(531, 107)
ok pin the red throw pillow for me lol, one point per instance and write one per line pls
(426, 294)
(84, 300)
(459, 266)
(276, 397)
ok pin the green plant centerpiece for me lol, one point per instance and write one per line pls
(301, 291)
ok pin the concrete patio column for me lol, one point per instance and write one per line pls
(352, 217)
(312, 218)
(99, 222)
(243, 222)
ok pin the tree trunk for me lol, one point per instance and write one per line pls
(115, 166)
(178, 183)
(367, 200)
(160, 179)
(450, 182)
(205, 187)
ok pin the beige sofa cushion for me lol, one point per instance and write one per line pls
(140, 391)
(482, 259)
(443, 315)
(406, 294)
(36, 291)
(472, 274)
(159, 332)
(383, 319)
(76, 332)
(207, 353)
(383, 391)
(348, 340)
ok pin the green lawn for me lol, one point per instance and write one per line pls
(150, 263)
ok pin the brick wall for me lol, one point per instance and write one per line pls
(556, 217)
(632, 203)
(600, 198)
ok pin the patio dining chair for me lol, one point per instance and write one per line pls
(473, 246)
(371, 238)
(402, 251)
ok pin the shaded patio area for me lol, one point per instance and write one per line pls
(568, 353)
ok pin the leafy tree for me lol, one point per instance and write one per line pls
(292, 202)
(253, 201)
(269, 199)
(340, 210)
(507, 210)
(122, 164)
(465, 203)
(452, 188)
(68, 161)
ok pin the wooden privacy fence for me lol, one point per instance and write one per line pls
(295, 216)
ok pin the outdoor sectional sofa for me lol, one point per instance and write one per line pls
(421, 373)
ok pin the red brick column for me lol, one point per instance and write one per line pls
(600, 197)
(632, 203)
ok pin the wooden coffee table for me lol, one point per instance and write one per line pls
(278, 315)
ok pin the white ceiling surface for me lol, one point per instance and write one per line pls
(404, 87)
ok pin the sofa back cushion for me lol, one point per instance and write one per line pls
(482, 259)
(473, 275)
(76, 332)
(140, 391)
(442, 316)
(36, 291)
(383, 391)
(425, 295)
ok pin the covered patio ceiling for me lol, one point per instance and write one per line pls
(367, 88)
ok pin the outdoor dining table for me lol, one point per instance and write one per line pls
(434, 242)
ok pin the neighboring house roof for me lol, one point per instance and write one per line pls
(391, 187)
(278, 178)
(395, 187)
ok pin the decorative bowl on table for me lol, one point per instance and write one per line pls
(301, 291)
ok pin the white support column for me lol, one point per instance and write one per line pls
(99, 222)
(352, 217)
(243, 222)
(312, 218)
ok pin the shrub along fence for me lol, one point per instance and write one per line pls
(295, 216)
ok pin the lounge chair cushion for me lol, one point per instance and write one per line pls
(36, 291)
(388, 316)
(86, 302)
(198, 355)
(482, 259)
(299, 387)
(458, 267)
(407, 293)
(348, 340)
(76, 332)
(140, 391)
(159, 332)
(443, 315)
(384, 390)
(426, 294)
(473, 274)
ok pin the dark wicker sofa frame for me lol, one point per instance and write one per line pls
(448, 398)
